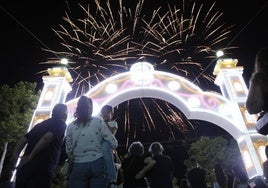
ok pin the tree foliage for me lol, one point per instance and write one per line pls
(208, 151)
(17, 105)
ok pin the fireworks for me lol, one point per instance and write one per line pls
(106, 37)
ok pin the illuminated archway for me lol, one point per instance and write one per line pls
(226, 111)
(191, 100)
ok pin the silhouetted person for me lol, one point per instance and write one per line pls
(184, 183)
(162, 173)
(257, 99)
(44, 141)
(220, 176)
(240, 177)
(197, 175)
(135, 166)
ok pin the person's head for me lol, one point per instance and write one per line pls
(261, 61)
(156, 149)
(136, 149)
(194, 162)
(84, 110)
(60, 111)
(107, 112)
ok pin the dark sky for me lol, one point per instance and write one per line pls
(26, 26)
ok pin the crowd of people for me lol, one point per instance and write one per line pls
(91, 143)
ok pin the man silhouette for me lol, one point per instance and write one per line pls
(197, 175)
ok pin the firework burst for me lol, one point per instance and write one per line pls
(106, 37)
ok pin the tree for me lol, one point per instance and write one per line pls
(208, 151)
(17, 105)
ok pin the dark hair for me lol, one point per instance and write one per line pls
(59, 111)
(136, 149)
(83, 111)
(193, 160)
(107, 108)
(156, 148)
(262, 60)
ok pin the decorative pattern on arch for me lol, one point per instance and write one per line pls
(190, 99)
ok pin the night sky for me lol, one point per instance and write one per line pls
(26, 27)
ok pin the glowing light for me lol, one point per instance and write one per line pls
(60, 72)
(49, 95)
(142, 73)
(174, 85)
(64, 61)
(262, 153)
(194, 102)
(111, 88)
(219, 53)
(223, 64)
(238, 87)
(226, 109)
(247, 159)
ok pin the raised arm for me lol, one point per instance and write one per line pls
(42, 144)
(149, 164)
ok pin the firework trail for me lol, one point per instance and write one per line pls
(106, 37)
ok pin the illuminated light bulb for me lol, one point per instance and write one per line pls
(219, 53)
(174, 85)
(238, 87)
(64, 61)
(142, 73)
(48, 95)
(111, 88)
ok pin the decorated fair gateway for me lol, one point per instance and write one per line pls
(226, 111)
